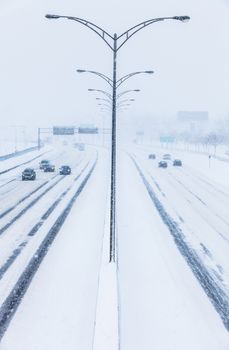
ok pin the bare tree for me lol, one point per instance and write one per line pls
(214, 139)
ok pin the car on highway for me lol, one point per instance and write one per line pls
(167, 157)
(177, 162)
(162, 164)
(65, 170)
(152, 156)
(28, 174)
(49, 168)
(81, 147)
(43, 163)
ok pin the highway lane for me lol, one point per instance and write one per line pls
(23, 191)
(200, 208)
(9, 182)
(23, 219)
(162, 305)
(60, 303)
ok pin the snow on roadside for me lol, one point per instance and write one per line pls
(12, 162)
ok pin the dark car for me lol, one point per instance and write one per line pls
(177, 162)
(65, 170)
(49, 168)
(28, 174)
(162, 164)
(152, 156)
(44, 163)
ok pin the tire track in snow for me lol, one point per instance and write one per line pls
(217, 293)
(10, 305)
(7, 211)
(19, 165)
(30, 205)
(17, 251)
(206, 208)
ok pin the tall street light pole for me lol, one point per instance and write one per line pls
(115, 84)
(115, 43)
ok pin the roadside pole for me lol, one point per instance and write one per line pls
(209, 161)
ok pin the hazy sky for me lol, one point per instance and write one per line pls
(38, 83)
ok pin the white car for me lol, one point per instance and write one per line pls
(167, 157)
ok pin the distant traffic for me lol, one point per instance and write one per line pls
(47, 167)
(163, 163)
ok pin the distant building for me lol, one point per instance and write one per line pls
(192, 120)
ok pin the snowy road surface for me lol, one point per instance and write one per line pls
(162, 305)
(157, 301)
(60, 306)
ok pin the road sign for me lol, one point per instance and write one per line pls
(188, 116)
(63, 130)
(140, 133)
(167, 139)
(88, 130)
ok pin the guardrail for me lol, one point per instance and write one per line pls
(18, 153)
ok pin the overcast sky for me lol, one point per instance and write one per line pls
(38, 82)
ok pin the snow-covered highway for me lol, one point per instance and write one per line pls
(163, 299)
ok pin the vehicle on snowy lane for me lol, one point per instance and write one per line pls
(49, 168)
(152, 156)
(80, 146)
(167, 157)
(44, 163)
(65, 170)
(28, 174)
(177, 162)
(162, 164)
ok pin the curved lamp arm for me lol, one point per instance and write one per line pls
(103, 99)
(125, 77)
(126, 92)
(124, 101)
(98, 30)
(133, 30)
(103, 92)
(103, 76)
(104, 105)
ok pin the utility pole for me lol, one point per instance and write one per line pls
(39, 139)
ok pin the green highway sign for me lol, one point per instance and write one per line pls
(167, 139)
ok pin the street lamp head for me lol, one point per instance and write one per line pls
(136, 90)
(52, 16)
(81, 70)
(149, 71)
(183, 19)
(132, 99)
